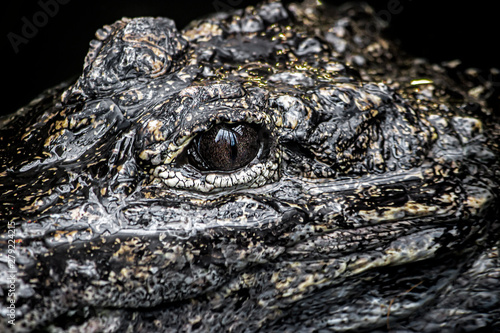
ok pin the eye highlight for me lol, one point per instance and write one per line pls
(224, 156)
(225, 147)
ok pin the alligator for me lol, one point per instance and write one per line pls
(281, 168)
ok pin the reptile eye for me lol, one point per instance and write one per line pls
(225, 147)
(224, 156)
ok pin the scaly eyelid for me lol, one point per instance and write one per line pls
(190, 171)
(220, 148)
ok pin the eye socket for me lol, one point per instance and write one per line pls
(224, 156)
(225, 147)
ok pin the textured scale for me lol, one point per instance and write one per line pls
(365, 198)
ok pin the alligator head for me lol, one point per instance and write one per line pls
(269, 169)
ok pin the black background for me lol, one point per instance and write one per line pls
(438, 31)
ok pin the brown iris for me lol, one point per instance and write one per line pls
(226, 147)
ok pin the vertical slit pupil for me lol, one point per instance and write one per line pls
(226, 137)
(228, 147)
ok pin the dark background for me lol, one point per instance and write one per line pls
(438, 31)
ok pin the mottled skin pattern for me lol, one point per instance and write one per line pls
(370, 203)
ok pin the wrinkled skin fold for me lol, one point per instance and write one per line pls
(351, 188)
